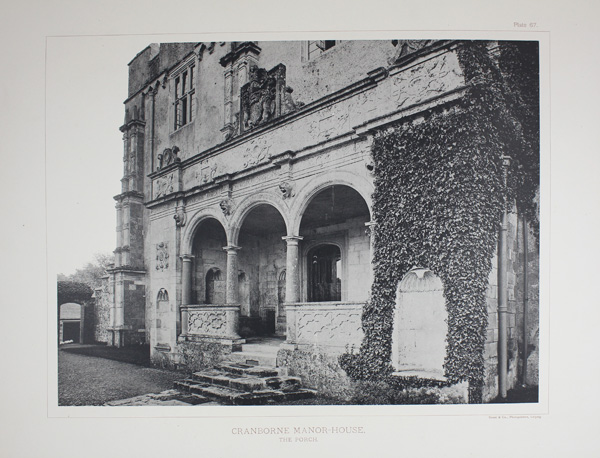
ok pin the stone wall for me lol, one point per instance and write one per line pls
(515, 313)
(101, 316)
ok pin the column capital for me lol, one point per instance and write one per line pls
(370, 226)
(187, 257)
(292, 239)
(232, 249)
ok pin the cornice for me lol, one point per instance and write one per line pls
(127, 269)
(134, 122)
(242, 48)
(126, 194)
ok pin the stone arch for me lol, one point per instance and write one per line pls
(162, 295)
(420, 325)
(317, 184)
(71, 322)
(212, 293)
(195, 222)
(248, 204)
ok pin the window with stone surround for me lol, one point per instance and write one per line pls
(318, 47)
(185, 97)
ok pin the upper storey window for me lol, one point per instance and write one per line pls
(185, 97)
(318, 47)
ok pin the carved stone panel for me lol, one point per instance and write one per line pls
(418, 84)
(162, 256)
(168, 157)
(265, 97)
(211, 323)
(164, 185)
(328, 326)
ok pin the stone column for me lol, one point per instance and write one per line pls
(186, 278)
(231, 297)
(186, 289)
(292, 282)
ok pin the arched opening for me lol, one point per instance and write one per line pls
(261, 258)
(214, 287)
(163, 316)
(70, 326)
(420, 325)
(324, 273)
(210, 260)
(336, 248)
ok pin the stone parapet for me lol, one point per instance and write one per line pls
(214, 323)
(329, 326)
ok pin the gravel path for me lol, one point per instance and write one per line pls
(89, 381)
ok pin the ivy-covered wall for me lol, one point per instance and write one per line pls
(439, 194)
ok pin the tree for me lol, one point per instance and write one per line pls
(91, 274)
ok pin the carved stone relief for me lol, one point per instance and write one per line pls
(415, 85)
(168, 157)
(265, 97)
(286, 190)
(207, 322)
(328, 326)
(256, 152)
(162, 256)
(163, 186)
(259, 94)
(226, 206)
(329, 123)
(205, 172)
(180, 217)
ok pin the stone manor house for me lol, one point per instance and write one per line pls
(246, 201)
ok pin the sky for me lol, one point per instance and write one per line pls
(86, 84)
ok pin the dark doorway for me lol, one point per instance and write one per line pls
(71, 331)
(324, 272)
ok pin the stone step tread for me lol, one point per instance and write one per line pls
(184, 385)
(241, 368)
(260, 348)
(266, 397)
(246, 382)
(233, 396)
(195, 399)
(257, 359)
(254, 354)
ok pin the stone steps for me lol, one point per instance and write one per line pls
(254, 358)
(243, 389)
(248, 377)
(250, 369)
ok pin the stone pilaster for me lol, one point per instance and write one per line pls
(186, 278)
(187, 266)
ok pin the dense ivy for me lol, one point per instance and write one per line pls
(72, 291)
(439, 194)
